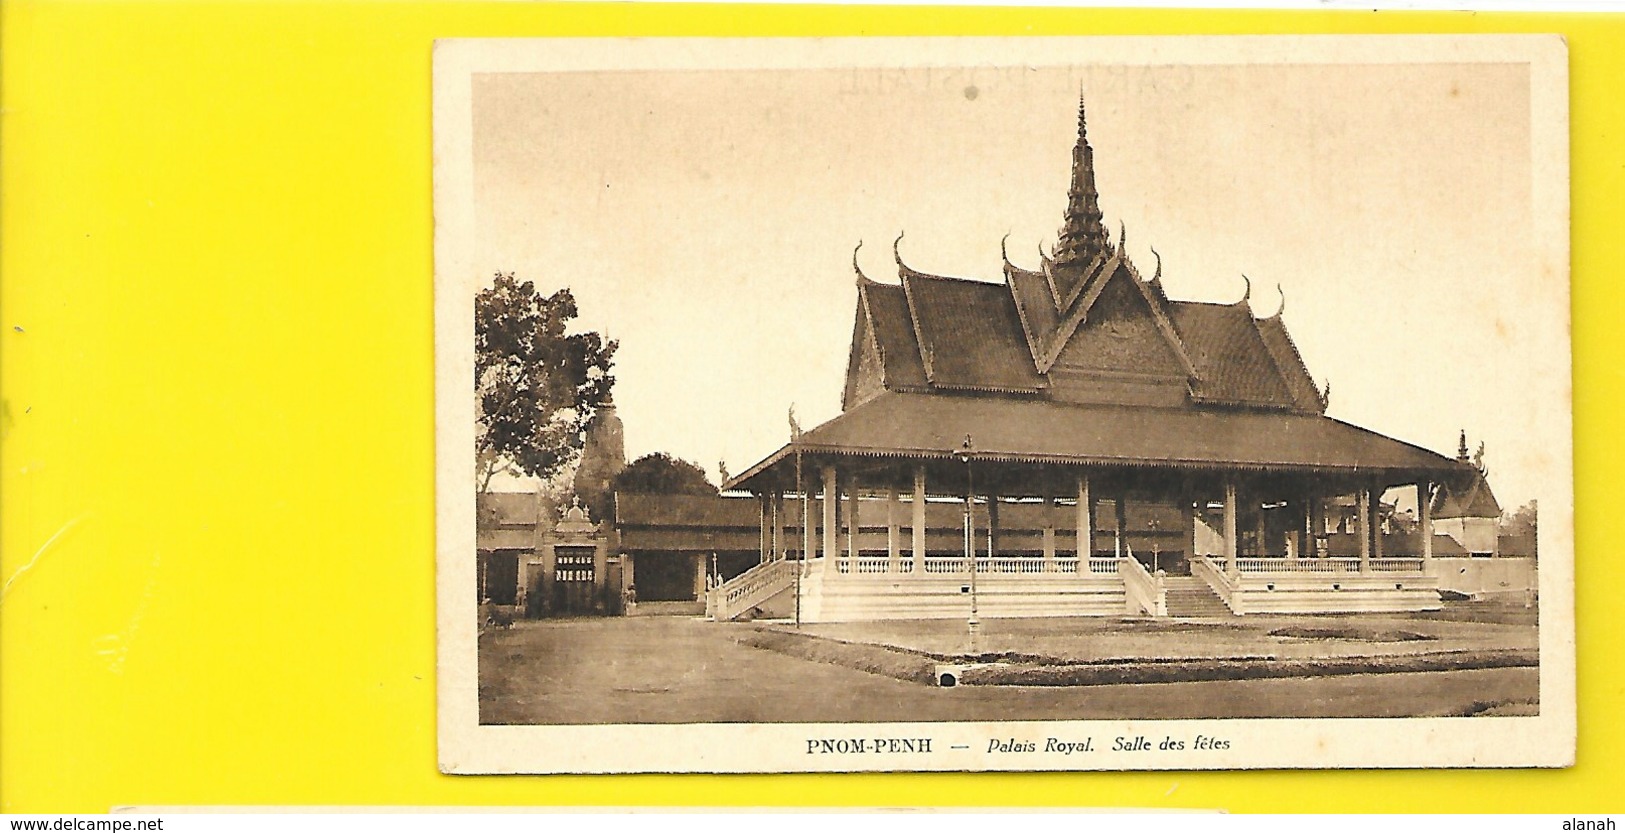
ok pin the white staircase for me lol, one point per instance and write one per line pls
(740, 594)
(1189, 597)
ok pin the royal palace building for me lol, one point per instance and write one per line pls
(1074, 441)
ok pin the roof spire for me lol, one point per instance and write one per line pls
(1461, 449)
(1081, 236)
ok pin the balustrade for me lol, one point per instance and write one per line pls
(1324, 565)
(1103, 566)
(748, 589)
(1396, 565)
(1000, 565)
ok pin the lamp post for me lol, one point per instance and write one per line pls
(1156, 545)
(964, 453)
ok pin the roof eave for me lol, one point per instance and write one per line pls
(946, 454)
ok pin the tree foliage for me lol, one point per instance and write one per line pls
(536, 384)
(661, 473)
(1525, 520)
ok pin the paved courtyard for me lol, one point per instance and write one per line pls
(678, 670)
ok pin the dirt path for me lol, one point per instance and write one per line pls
(672, 670)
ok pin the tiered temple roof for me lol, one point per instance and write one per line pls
(1084, 360)
(1085, 327)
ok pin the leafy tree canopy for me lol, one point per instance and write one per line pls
(661, 473)
(1524, 520)
(536, 385)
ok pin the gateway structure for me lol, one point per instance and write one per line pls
(1109, 450)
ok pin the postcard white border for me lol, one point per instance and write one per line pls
(467, 747)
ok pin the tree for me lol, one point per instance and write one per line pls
(536, 385)
(661, 473)
(1525, 520)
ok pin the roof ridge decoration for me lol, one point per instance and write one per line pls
(855, 267)
(926, 355)
(1322, 397)
(1089, 275)
(1082, 234)
(1028, 333)
(1155, 283)
(860, 321)
(1078, 312)
(1159, 317)
(874, 337)
(1282, 372)
(1046, 266)
(903, 269)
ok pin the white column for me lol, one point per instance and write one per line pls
(809, 543)
(778, 524)
(1193, 512)
(894, 514)
(765, 501)
(1322, 523)
(917, 521)
(1049, 533)
(854, 526)
(1306, 535)
(1086, 532)
(992, 524)
(830, 497)
(1363, 511)
(1424, 515)
(1376, 523)
(1232, 565)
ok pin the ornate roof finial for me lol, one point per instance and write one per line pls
(1081, 236)
(1247, 292)
(1282, 308)
(1461, 449)
(903, 270)
(1326, 395)
(1122, 235)
(1004, 252)
(1158, 275)
(855, 267)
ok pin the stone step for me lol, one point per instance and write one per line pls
(1191, 597)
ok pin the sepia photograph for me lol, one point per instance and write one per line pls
(1101, 403)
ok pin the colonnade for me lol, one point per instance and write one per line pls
(835, 535)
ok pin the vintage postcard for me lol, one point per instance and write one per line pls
(1003, 404)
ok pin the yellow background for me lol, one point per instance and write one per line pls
(218, 388)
